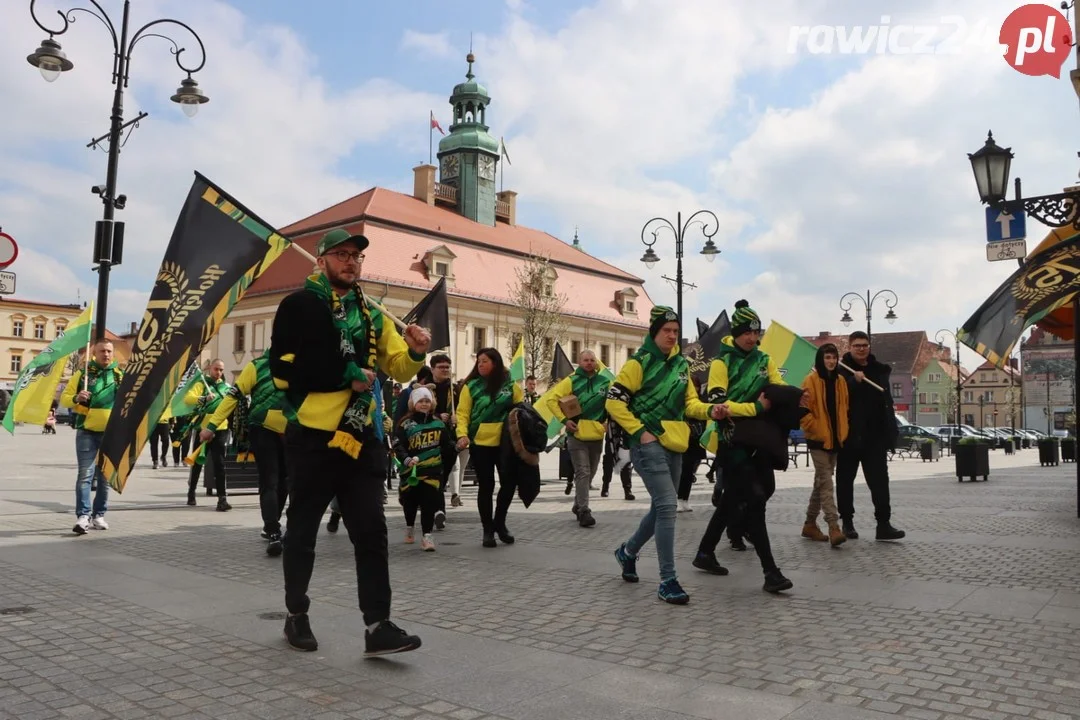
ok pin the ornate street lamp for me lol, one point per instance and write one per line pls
(887, 296)
(51, 61)
(941, 336)
(710, 225)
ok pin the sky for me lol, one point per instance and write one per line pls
(828, 172)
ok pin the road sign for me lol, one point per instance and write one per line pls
(1003, 226)
(1006, 250)
(7, 283)
(8, 250)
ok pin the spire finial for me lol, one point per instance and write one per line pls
(577, 243)
(470, 58)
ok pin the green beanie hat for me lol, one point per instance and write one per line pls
(744, 320)
(660, 316)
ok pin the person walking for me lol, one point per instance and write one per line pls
(826, 429)
(206, 395)
(486, 399)
(585, 432)
(873, 434)
(326, 344)
(422, 440)
(160, 438)
(615, 448)
(738, 378)
(444, 410)
(91, 408)
(266, 429)
(650, 398)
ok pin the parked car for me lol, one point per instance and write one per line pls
(902, 421)
(917, 432)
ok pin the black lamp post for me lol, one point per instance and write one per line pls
(710, 251)
(941, 336)
(51, 60)
(991, 164)
(848, 299)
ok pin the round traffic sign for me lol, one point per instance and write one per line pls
(8, 250)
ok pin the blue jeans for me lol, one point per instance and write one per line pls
(659, 469)
(86, 450)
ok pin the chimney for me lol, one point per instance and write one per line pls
(823, 335)
(424, 183)
(510, 198)
(134, 327)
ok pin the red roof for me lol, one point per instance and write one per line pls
(403, 230)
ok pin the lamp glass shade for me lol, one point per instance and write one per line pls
(846, 320)
(710, 251)
(991, 165)
(190, 108)
(49, 70)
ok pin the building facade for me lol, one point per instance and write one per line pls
(1049, 377)
(991, 397)
(26, 328)
(454, 226)
(935, 391)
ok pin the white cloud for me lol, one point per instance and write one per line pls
(433, 44)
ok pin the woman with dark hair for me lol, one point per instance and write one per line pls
(486, 399)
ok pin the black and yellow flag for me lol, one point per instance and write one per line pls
(217, 250)
(1047, 280)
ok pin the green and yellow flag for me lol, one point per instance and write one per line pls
(217, 250)
(793, 355)
(178, 407)
(35, 388)
(517, 364)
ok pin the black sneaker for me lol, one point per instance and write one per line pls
(709, 563)
(155, 466)
(164, 463)
(776, 582)
(489, 540)
(628, 496)
(440, 520)
(849, 530)
(273, 549)
(569, 488)
(191, 500)
(585, 518)
(387, 639)
(298, 633)
(505, 537)
(332, 523)
(738, 544)
(885, 531)
(604, 493)
(223, 505)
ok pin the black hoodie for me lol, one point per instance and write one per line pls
(830, 379)
(871, 418)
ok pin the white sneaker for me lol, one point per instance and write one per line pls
(428, 543)
(81, 525)
(684, 506)
(99, 523)
(410, 538)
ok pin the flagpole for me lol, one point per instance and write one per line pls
(370, 302)
(430, 133)
(89, 342)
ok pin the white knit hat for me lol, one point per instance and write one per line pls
(420, 393)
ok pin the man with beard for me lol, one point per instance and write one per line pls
(873, 434)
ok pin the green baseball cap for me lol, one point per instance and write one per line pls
(332, 239)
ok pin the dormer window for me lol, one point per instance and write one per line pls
(442, 268)
(626, 301)
(439, 262)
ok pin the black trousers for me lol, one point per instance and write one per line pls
(269, 449)
(608, 464)
(181, 451)
(750, 484)
(449, 460)
(316, 474)
(215, 457)
(160, 436)
(485, 461)
(875, 467)
(424, 498)
(691, 461)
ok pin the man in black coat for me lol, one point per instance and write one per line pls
(873, 434)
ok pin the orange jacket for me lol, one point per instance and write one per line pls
(815, 424)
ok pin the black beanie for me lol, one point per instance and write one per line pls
(660, 316)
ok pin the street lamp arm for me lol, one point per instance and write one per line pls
(1057, 210)
(176, 50)
(710, 220)
(846, 304)
(69, 17)
(661, 224)
(886, 293)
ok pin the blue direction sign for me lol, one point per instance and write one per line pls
(1001, 225)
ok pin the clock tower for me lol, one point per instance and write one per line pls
(468, 154)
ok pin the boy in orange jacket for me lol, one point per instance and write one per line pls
(826, 429)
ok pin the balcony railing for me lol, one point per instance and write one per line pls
(446, 193)
(502, 209)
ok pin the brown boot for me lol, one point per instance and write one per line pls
(812, 531)
(836, 535)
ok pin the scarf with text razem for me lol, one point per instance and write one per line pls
(355, 323)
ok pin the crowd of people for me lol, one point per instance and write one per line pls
(309, 411)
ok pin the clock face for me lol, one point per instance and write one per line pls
(449, 166)
(487, 167)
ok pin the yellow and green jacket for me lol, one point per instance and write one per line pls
(428, 439)
(480, 416)
(591, 392)
(267, 402)
(653, 393)
(737, 379)
(102, 384)
(206, 409)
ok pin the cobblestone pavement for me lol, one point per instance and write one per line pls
(176, 612)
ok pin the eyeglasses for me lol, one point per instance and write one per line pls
(442, 367)
(861, 346)
(346, 255)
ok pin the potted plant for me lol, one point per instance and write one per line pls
(1068, 449)
(972, 459)
(929, 450)
(1048, 451)
(1025, 442)
(1009, 445)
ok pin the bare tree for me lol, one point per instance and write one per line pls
(533, 292)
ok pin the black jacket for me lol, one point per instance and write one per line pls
(768, 433)
(304, 321)
(524, 437)
(871, 417)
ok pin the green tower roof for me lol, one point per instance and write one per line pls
(468, 130)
